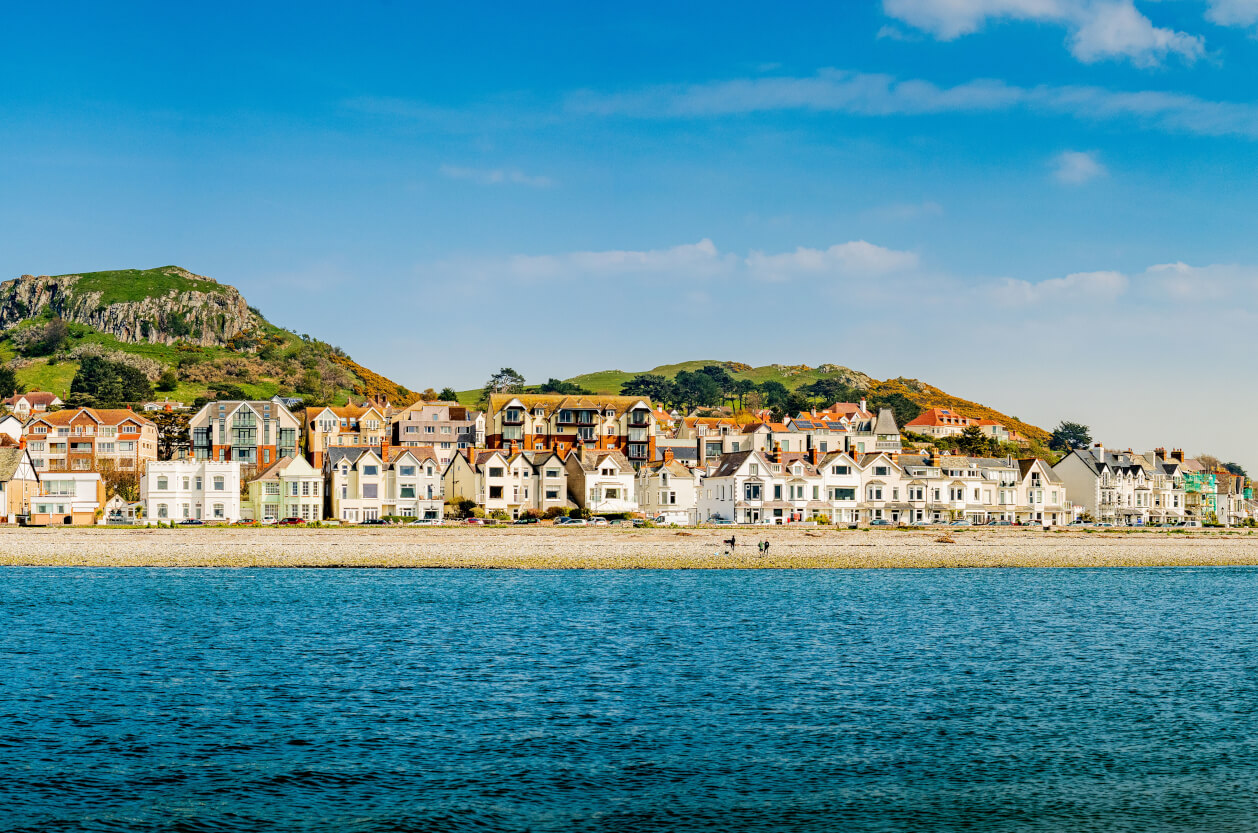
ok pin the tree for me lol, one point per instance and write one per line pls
(168, 380)
(725, 383)
(505, 380)
(123, 483)
(553, 385)
(8, 382)
(830, 391)
(650, 386)
(972, 442)
(1236, 469)
(172, 433)
(428, 395)
(1068, 436)
(774, 394)
(448, 394)
(697, 389)
(742, 388)
(904, 409)
(109, 383)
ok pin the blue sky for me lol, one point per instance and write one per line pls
(1046, 205)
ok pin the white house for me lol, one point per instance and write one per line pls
(600, 480)
(11, 427)
(669, 489)
(413, 485)
(67, 497)
(755, 488)
(510, 481)
(189, 489)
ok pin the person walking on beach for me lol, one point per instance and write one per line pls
(766, 548)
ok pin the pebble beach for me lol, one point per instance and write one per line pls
(545, 547)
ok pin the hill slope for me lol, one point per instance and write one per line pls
(192, 335)
(795, 376)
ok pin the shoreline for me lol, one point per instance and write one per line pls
(599, 548)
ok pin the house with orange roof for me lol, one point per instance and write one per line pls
(366, 424)
(557, 422)
(84, 439)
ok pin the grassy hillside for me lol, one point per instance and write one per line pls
(796, 376)
(261, 363)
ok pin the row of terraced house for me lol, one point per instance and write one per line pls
(545, 454)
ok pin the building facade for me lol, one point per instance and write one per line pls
(191, 489)
(87, 439)
(253, 433)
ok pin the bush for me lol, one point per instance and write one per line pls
(477, 512)
(555, 512)
(499, 515)
(821, 519)
(578, 512)
(533, 513)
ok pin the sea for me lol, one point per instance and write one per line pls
(756, 700)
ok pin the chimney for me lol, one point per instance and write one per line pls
(1160, 453)
(814, 456)
(776, 456)
(1178, 454)
(21, 443)
(1099, 451)
(668, 455)
(862, 403)
(515, 448)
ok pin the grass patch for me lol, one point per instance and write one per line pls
(124, 285)
(54, 378)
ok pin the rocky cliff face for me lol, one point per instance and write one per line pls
(204, 318)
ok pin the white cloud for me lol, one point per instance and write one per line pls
(840, 91)
(857, 259)
(1099, 29)
(1233, 12)
(1080, 286)
(495, 176)
(1075, 167)
(1181, 283)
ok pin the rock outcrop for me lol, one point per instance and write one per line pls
(204, 318)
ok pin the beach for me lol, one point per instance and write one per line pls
(545, 547)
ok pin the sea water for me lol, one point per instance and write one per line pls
(373, 700)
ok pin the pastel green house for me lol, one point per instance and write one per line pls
(291, 488)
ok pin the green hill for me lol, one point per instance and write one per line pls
(910, 395)
(190, 335)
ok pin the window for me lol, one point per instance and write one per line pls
(495, 493)
(219, 483)
(844, 494)
(163, 510)
(163, 484)
(407, 491)
(751, 491)
(198, 482)
(777, 492)
(552, 494)
(270, 488)
(753, 469)
(841, 470)
(371, 471)
(292, 488)
(875, 493)
(495, 471)
(370, 490)
(881, 471)
(406, 471)
(218, 510)
(314, 488)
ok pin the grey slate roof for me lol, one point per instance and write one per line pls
(886, 422)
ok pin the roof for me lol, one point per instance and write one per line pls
(552, 402)
(591, 459)
(352, 453)
(934, 417)
(35, 397)
(731, 463)
(10, 459)
(886, 422)
(273, 473)
(105, 416)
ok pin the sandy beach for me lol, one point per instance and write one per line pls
(549, 548)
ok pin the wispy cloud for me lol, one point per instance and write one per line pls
(865, 94)
(1233, 12)
(1080, 286)
(857, 259)
(495, 176)
(1098, 29)
(1074, 167)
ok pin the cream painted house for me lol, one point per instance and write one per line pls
(190, 489)
(601, 481)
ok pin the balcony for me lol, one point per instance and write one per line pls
(511, 417)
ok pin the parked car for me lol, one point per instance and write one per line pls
(372, 522)
(720, 522)
(246, 522)
(425, 522)
(525, 520)
(962, 522)
(474, 521)
(880, 522)
(598, 521)
(573, 522)
(999, 523)
(192, 522)
(292, 521)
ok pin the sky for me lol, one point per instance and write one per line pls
(1044, 205)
